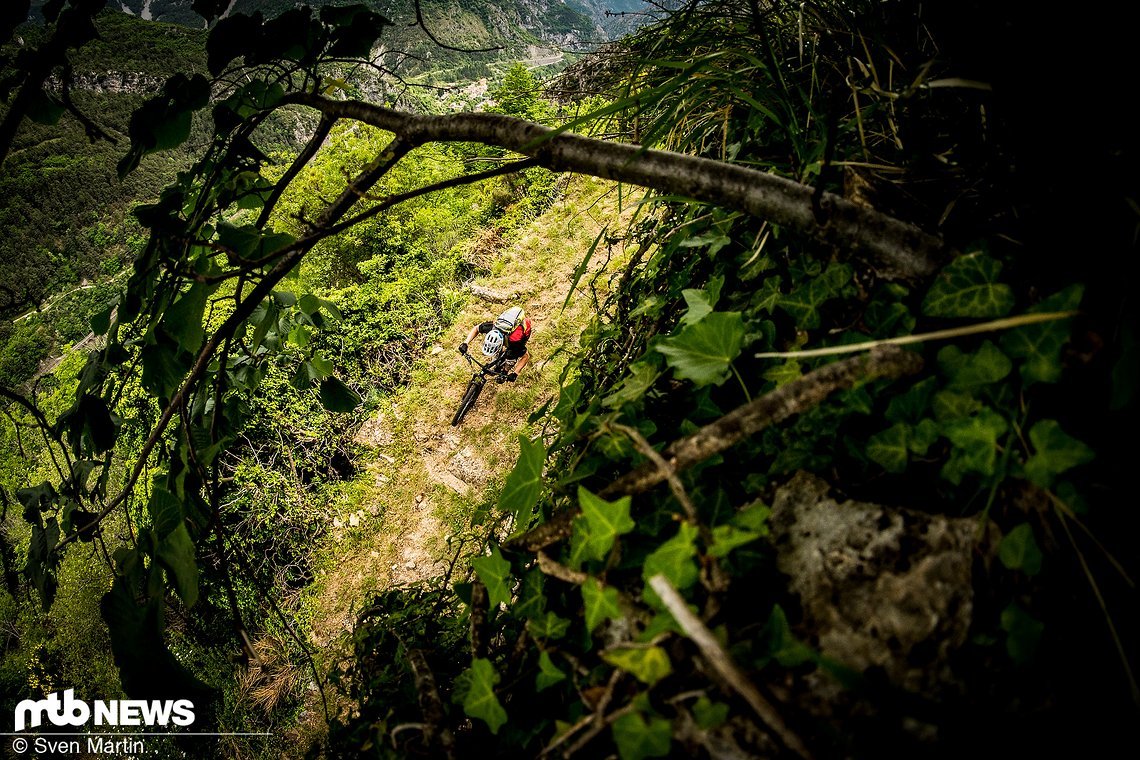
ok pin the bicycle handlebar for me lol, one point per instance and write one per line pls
(487, 369)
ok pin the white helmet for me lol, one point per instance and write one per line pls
(493, 343)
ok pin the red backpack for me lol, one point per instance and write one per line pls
(522, 332)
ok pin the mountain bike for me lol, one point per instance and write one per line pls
(497, 368)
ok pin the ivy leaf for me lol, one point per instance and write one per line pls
(640, 379)
(767, 297)
(889, 447)
(176, 554)
(475, 687)
(952, 405)
(1019, 550)
(600, 524)
(1039, 346)
(726, 537)
(532, 599)
(784, 373)
(675, 560)
(647, 664)
(910, 405)
(637, 738)
(548, 673)
(338, 397)
(699, 306)
(965, 371)
(922, 436)
(783, 646)
(754, 517)
(601, 603)
(495, 572)
(703, 352)
(709, 714)
(968, 287)
(549, 626)
(524, 484)
(701, 302)
(1023, 633)
(1055, 451)
(886, 316)
(974, 442)
(804, 302)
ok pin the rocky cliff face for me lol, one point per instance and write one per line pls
(554, 21)
(112, 83)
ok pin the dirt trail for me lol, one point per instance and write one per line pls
(427, 478)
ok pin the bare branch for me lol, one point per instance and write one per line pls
(899, 249)
(772, 408)
(700, 635)
(430, 704)
(479, 604)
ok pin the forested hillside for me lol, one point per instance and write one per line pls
(820, 446)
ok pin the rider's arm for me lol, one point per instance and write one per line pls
(471, 335)
(522, 362)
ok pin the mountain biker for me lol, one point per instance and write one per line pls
(505, 338)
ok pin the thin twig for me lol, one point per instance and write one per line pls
(561, 572)
(1133, 688)
(664, 467)
(700, 635)
(905, 340)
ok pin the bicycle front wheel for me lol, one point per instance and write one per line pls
(473, 389)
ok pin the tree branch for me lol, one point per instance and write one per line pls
(770, 409)
(324, 126)
(430, 704)
(715, 655)
(899, 249)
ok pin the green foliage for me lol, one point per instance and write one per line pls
(495, 572)
(1054, 452)
(1039, 346)
(968, 287)
(703, 351)
(524, 483)
(1023, 633)
(475, 689)
(601, 603)
(647, 664)
(599, 526)
(1019, 550)
(638, 738)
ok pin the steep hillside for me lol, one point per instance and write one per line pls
(422, 478)
(65, 212)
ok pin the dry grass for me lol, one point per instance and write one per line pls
(271, 678)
